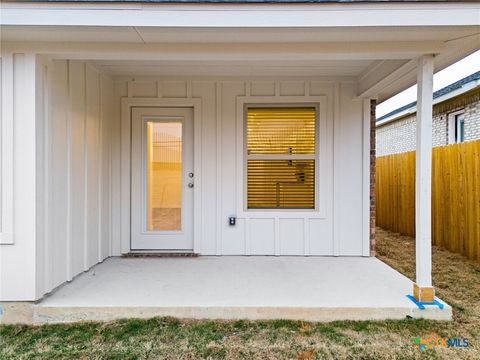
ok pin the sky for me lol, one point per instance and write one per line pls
(454, 72)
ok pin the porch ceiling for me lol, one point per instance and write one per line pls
(350, 68)
(381, 59)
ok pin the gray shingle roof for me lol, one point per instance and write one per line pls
(240, 1)
(443, 91)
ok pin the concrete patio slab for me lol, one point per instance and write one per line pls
(302, 288)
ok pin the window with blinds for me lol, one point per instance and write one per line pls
(281, 151)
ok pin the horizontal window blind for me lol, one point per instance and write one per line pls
(281, 131)
(281, 143)
(285, 184)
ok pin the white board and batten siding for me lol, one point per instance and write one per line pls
(81, 167)
(63, 112)
(63, 180)
(336, 230)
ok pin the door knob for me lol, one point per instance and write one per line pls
(190, 175)
(190, 185)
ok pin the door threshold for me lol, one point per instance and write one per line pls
(163, 254)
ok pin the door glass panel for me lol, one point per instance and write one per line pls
(164, 176)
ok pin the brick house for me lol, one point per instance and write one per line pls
(456, 118)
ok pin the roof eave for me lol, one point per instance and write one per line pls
(413, 110)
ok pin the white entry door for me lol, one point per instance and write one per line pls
(162, 179)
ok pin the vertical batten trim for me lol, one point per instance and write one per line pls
(47, 153)
(125, 164)
(336, 144)
(130, 89)
(248, 237)
(110, 183)
(110, 169)
(306, 236)
(277, 236)
(68, 119)
(26, 120)
(366, 179)
(7, 150)
(218, 120)
(85, 171)
(248, 88)
(197, 166)
(110, 172)
(159, 89)
(100, 168)
(189, 89)
(277, 88)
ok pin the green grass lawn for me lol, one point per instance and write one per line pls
(457, 281)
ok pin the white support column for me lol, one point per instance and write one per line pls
(19, 260)
(423, 289)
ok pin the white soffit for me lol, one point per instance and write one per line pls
(130, 34)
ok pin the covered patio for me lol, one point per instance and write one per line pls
(299, 288)
(84, 85)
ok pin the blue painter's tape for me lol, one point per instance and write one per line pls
(421, 305)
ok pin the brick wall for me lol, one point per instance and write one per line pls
(373, 105)
(400, 136)
(472, 121)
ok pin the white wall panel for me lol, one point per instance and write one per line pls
(320, 236)
(262, 88)
(174, 89)
(106, 189)
(349, 161)
(92, 151)
(42, 181)
(292, 88)
(120, 91)
(288, 234)
(73, 226)
(232, 237)
(18, 256)
(144, 88)
(262, 236)
(58, 164)
(292, 236)
(77, 160)
(206, 90)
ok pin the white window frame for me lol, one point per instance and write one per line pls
(452, 126)
(321, 155)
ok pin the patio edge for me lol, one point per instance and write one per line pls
(45, 314)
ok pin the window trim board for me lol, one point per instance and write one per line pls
(248, 157)
(452, 126)
(321, 155)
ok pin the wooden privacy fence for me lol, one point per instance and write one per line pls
(455, 196)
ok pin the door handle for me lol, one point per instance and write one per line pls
(190, 185)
